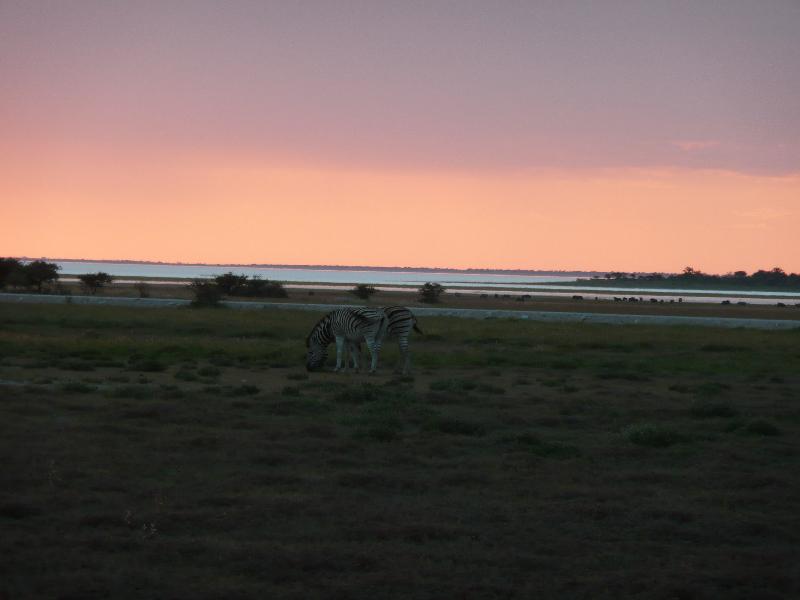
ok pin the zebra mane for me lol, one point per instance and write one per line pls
(319, 329)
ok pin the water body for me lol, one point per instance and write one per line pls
(462, 283)
(132, 270)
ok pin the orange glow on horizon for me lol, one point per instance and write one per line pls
(223, 212)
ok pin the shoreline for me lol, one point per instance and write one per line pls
(544, 289)
(544, 316)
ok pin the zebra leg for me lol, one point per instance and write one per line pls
(374, 349)
(340, 351)
(405, 354)
(355, 354)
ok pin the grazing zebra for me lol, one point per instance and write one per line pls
(345, 326)
(400, 323)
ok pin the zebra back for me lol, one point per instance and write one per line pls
(352, 322)
(401, 321)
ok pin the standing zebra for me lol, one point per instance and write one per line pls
(400, 323)
(346, 326)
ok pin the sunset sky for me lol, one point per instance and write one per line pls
(614, 135)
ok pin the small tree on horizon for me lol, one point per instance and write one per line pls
(364, 291)
(40, 272)
(207, 294)
(7, 267)
(430, 292)
(229, 282)
(262, 288)
(93, 282)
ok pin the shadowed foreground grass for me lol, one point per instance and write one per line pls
(186, 454)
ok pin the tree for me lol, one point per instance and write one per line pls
(262, 288)
(93, 282)
(40, 272)
(206, 293)
(7, 267)
(363, 291)
(229, 282)
(430, 292)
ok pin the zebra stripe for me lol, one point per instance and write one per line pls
(346, 326)
(400, 323)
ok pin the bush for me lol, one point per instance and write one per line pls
(242, 285)
(206, 293)
(261, 288)
(363, 291)
(93, 282)
(229, 282)
(430, 293)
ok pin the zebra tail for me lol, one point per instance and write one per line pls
(417, 329)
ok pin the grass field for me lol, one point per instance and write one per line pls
(180, 453)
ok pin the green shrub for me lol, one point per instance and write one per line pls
(455, 426)
(430, 292)
(139, 392)
(209, 371)
(364, 291)
(453, 385)
(655, 436)
(146, 365)
(366, 392)
(206, 294)
(705, 409)
(76, 387)
(531, 443)
(185, 374)
(761, 427)
(243, 390)
(94, 282)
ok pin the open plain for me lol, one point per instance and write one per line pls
(182, 453)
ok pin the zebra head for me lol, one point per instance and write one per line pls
(316, 355)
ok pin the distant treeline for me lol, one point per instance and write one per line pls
(774, 278)
(34, 275)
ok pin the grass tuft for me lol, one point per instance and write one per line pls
(654, 436)
(146, 365)
(761, 427)
(77, 387)
(455, 426)
(705, 409)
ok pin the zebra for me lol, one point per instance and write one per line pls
(400, 323)
(345, 326)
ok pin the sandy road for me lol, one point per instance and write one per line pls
(547, 316)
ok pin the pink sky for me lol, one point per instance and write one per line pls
(552, 135)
